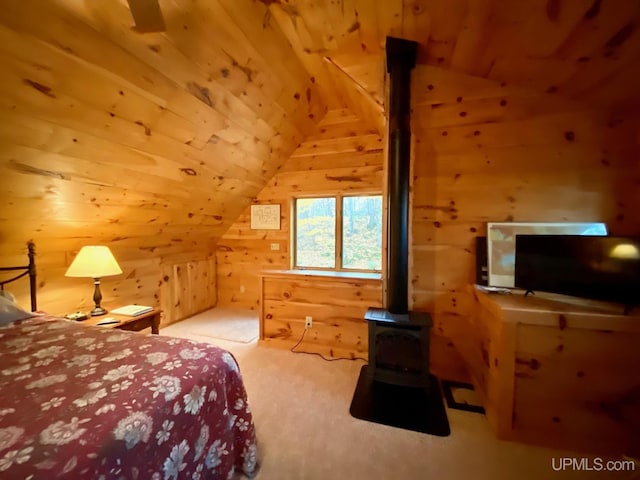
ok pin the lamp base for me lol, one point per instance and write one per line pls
(96, 312)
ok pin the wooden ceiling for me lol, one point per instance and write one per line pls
(145, 136)
(152, 139)
(586, 50)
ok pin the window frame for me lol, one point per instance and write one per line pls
(339, 197)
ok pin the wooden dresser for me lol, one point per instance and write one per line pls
(557, 371)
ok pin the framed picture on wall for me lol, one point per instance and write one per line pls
(501, 244)
(265, 217)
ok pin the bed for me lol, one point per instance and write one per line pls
(91, 402)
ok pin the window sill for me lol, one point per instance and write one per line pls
(324, 274)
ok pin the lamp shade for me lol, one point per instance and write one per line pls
(94, 261)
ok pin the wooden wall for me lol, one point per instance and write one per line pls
(483, 151)
(343, 154)
(336, 307)
(150, 143)
(179, 287)
(632, 195)
(187, 288)
(156, 144)
(489, 152)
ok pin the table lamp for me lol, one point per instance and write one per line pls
(94, 261)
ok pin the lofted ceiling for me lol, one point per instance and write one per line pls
(154, 138)
(585, 50)
(158, 140)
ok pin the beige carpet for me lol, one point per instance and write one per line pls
(229, 324)
(301, 404)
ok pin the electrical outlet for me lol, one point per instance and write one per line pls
(241, 288)
(275, 247)
(308, 321)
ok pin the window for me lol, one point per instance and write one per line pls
(338, 232)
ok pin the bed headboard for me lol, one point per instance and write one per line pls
(29, 269)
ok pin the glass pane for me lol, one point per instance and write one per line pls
(362, 232)
(316, 232)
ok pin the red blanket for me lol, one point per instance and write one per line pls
(90, 402)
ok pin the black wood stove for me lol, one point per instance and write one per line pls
(398, 348)
(396, 388)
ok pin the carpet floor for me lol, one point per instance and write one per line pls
(224, 324)
(300, 405)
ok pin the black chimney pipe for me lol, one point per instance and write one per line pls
(401, 58)
(399, 342)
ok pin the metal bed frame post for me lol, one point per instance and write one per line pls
(29, 269)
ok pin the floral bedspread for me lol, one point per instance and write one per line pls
(91, 402)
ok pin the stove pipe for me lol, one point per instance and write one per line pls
(401, 58)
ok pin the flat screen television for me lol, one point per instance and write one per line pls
(594, 267)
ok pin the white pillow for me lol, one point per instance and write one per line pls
(9, 295)
(9, 311)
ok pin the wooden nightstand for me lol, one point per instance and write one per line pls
(146, 320)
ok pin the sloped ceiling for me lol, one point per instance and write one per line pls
(585, 50)
(160, 140)
(146, 138)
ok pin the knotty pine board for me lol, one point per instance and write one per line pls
(242, 253)
(521, 112)
(337, 306)
(556, 371)
(147, 143)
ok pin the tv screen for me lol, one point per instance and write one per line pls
(595, 267)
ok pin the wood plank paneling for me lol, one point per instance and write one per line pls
(336, 167)
(150, 143)
(187, 288)
(557, 372)
(336, 305)
(583, 49)
(157, 144)
(486, 153)
(342, 155)
(179, 289)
